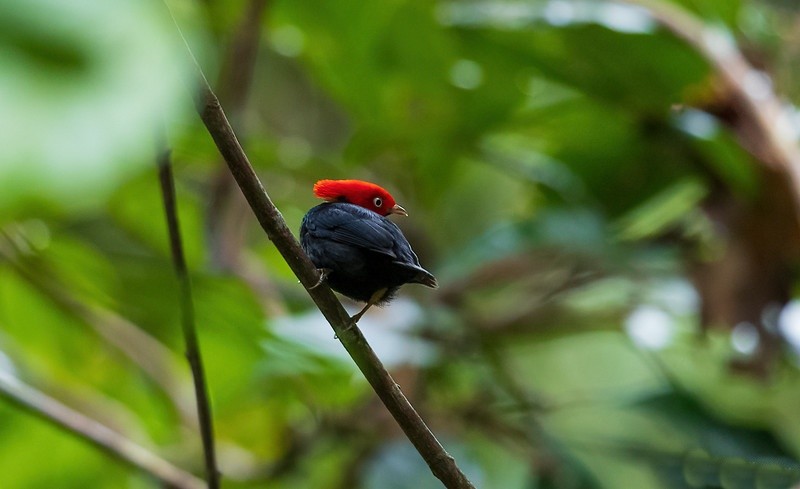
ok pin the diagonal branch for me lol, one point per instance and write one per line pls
(66, 418)
(187, 318)
(440, 462)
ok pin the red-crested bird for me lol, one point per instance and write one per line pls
(359, 252)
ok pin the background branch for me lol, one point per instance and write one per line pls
(193, 354)
(767, 132)
(155, 360)
(228, 219)
(84, 427)
(759, 250)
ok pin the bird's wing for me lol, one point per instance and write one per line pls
(360, 228)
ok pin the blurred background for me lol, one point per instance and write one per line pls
(606, 191)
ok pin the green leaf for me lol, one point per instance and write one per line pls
(81, 104)
(663, 211)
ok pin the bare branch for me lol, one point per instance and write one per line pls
(193, 354)
(113, 443)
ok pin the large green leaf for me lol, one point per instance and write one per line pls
(81, 104)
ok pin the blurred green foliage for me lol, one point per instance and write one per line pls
(555, 174)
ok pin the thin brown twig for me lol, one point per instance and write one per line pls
(188, 328)
(442, 465)
(236, 76)
(86, 428)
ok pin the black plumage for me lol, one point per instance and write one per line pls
(362, 252)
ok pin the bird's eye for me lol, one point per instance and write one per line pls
(377, 201)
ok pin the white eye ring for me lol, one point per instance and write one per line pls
(377, 201)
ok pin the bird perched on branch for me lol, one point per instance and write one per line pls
(358, 251)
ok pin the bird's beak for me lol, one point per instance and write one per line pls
(398, 210)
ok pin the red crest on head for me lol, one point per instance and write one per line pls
(364, 194)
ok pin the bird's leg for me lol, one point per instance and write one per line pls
(323, 274)
(376, 297)
(355, 318)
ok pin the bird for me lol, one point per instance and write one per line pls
(358, 251)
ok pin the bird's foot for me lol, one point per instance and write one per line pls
(376, 297)
(354, 318)
(350, 324)
(323, 274)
